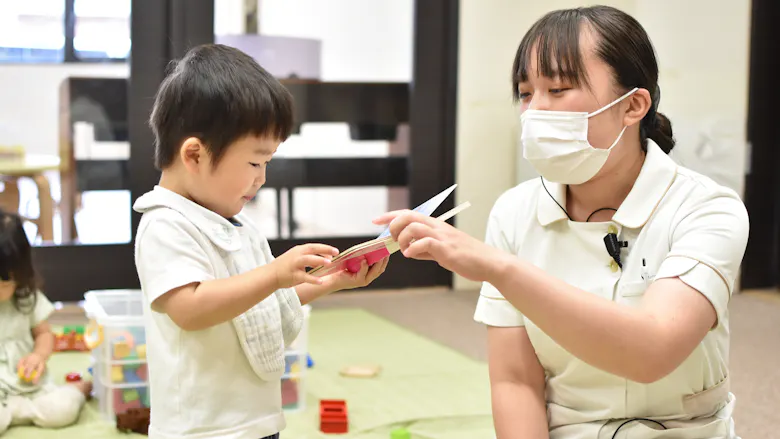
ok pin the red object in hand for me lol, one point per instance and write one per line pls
(73, 377)
(353, 265)
(333, 416)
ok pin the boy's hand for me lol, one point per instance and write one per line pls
(344, 280)
(31, 367)
(290, 268)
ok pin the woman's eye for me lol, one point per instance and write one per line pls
(525, 95)
(558, 90)
(256, 165)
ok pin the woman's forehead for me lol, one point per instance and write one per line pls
(565, 56)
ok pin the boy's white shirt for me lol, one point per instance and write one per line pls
(223, 381)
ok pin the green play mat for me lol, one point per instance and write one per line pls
(433, 391)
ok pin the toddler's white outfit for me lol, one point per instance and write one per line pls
(43, 404)
(225, 381)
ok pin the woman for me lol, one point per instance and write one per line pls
(607, 280)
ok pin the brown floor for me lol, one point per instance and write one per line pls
(446, 317)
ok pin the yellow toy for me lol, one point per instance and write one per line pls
(23, 377)
(121, 349)
(117, 375)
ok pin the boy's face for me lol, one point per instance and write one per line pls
(235, 180)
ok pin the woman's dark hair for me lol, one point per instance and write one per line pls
(621, 42)
(16, 262)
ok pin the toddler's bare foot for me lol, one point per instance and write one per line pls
(84, 387)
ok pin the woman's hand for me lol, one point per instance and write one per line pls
(426, 238)
(31, 367)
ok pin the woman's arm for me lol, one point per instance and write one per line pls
(517, 385)
(642, 344)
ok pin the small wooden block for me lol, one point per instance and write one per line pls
(360, 371)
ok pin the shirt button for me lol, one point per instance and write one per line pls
(612, 229)
(614, 266)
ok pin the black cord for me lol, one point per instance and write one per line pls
(553, 198)
(564, 210)
(599, 210)
(636, 419)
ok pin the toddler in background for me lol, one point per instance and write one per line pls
(27, 342)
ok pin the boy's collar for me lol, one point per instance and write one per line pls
(221, 231)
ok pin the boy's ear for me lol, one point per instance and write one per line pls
(192, 153)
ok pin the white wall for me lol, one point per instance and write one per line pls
(362, 40)
(29, 101)
(702, 48)
(229, 17)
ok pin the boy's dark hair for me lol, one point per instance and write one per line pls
(621, 42)
(16, 262)
(218, 94)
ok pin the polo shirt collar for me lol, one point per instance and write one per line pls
(655, 178)
(220, 231)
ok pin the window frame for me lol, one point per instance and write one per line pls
(69, 53)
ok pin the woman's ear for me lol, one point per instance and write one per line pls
(192, 154)
(639, 104)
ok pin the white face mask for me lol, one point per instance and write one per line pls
(556, 144)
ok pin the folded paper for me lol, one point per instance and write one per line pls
(383, 246)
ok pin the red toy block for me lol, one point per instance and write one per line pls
(142, 372)
(120, 406)
(289, 393)
(333, 416)
(73, 377)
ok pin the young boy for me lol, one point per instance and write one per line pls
(222, 308)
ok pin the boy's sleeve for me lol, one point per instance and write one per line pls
(42, 310)
(169, 256)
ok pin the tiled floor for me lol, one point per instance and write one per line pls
(445, 317)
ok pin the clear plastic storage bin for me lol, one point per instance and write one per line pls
(296, 363)
(119, 362)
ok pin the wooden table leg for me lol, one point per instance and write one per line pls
(9, 198)
(69, 202)
(46, 216)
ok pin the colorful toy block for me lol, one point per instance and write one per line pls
(121, 349)
(130, 395)
(78, 329)
(70, 341)
(333, 416)
(117, 374)
(131, 375)
(120, 405)
(142, 372)
(289, 394)
(73, 377)
(145, 397)
(400, 433)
